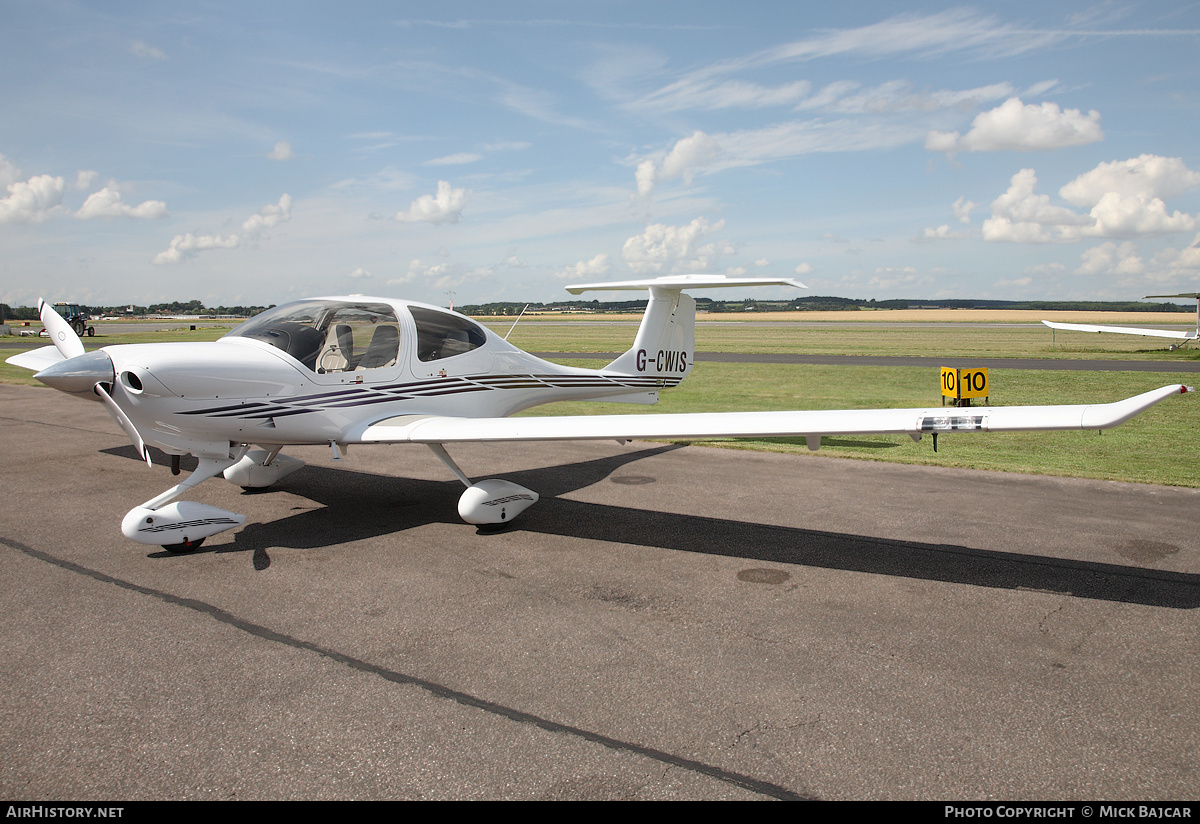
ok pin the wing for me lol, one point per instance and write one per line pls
(809, 424)
(1122, 330)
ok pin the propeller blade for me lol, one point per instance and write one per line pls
(61, 333)
(121, 418)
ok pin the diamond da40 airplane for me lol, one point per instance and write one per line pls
(363, 370)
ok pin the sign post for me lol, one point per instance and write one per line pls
(960, 385)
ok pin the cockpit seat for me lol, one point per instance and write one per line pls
(338, 352)
(385, 345)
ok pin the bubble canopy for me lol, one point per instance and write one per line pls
(329, 335)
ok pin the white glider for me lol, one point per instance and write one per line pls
(363, 370)
(1183, 337)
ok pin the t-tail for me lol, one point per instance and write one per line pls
(665, 345)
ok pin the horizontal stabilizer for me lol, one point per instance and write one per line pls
(37, 359)
(679, 282)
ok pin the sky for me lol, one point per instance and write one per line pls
(254, 153)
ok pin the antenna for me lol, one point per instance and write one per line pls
(515, 322)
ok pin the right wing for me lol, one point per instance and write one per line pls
(808, 424)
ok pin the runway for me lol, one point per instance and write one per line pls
(666, 623)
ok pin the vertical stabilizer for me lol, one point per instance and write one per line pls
(665, 345)
(666, 340)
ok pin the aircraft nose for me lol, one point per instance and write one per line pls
(80, 373)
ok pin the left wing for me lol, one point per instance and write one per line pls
(809, 424)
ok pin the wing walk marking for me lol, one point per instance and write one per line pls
(948, 423)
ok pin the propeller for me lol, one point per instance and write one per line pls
(81, 371)
(123, 420)
(61, 333)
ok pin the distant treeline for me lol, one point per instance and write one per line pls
(824, 303)
(804, 304)
(192, 307)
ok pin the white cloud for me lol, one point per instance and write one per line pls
(1146, 176)
(1136, 216)
(1123, 199)
(282, 151)
(963, 208)
(444, 207)
(32, 201)
(440, 275)
(84, 179)
(360, 273)
(8, 172)
(1174, 262)
(1014, 126)
(140, 49)
(899, 96)
(189, 245)
(962, 212)
(880, 117)
(455, 159)
(664, 248)
(686, 156)
(268, 216)
(107, 203)
(706, 93)
(804, 269)
(1004, 283)
(941, 33)
(509, 146)
(1111, 259)
(596, 267)
(1020, 215)
(889, 278)
(943, 232)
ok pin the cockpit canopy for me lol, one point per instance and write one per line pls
(342, 336)
(328, 335)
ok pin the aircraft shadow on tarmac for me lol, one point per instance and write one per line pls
(354, 505)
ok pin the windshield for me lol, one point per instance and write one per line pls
(329, 336)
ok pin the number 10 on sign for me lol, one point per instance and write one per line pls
(964, 383)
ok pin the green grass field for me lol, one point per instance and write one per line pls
(1160, 446)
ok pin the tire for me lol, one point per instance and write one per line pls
(180, 549)
(78, 327)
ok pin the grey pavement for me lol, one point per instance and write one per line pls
(666, 623)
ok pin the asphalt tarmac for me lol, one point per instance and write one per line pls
(666, 623)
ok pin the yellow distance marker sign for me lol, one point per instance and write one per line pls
(964, 383)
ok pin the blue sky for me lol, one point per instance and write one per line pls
(242, 153)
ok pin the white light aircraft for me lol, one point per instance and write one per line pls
(1182, 337)
(365, 370)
